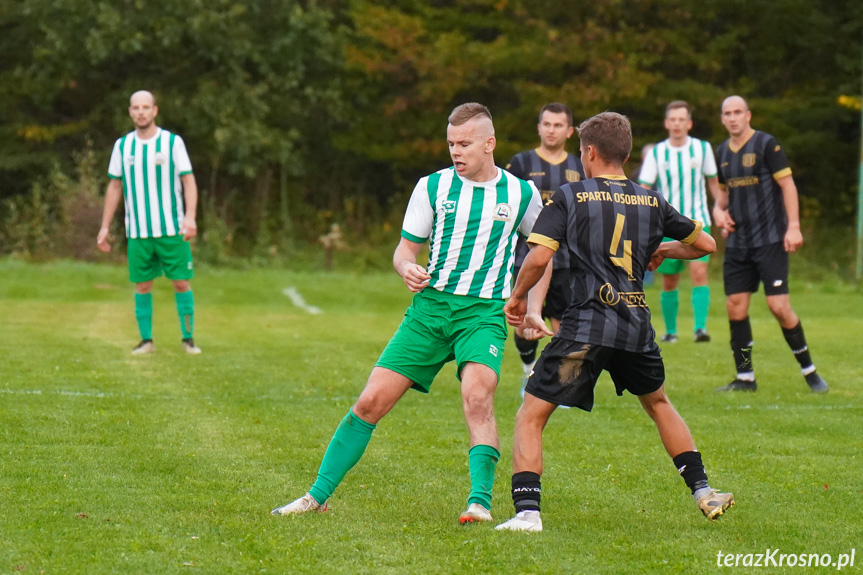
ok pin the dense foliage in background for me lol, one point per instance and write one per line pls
(298, 115)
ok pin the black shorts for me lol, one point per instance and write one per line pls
(744, 268)
(567, 370)
(559, 294)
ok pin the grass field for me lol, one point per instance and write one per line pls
(171, 463)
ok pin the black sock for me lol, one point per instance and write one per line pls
(691, 469)
(526, 491)
(526, 349)
(797, 342)
(741, 344)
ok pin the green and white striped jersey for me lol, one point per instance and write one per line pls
(472, 229)
(679, 173)
(152, 191)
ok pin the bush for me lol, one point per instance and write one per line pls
(59, 218)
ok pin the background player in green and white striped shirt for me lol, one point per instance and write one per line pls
(150, 169)
(470, 214)
(682, 168)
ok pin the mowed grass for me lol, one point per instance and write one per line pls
(171, 463)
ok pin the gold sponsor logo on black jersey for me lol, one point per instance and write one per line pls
(634, 298)
(748, 160)
(740, 182)
(610, 296)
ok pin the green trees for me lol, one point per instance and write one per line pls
(300, 114)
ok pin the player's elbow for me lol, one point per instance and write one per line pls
(705, 244)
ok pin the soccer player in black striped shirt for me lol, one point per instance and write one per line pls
(549, 167)
(757, 209)
(613, 230)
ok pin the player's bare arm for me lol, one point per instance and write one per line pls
(112, 200)
(533, 326)
(532, 270)
(405, 263)
(793, 236)
(703, 245)
(721, 217)
(189, 227)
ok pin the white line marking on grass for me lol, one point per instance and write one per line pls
(99, 394)
(298, 301)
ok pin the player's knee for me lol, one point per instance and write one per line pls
(478, 404)
(654, 402)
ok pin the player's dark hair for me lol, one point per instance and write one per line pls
(676, 105)
(556, 108)
(610, 134)
(466, 112)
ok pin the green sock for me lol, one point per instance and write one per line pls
(144, 314)
(186, 311)
(668, 299)
(700, 305)
(482, 460)
(348, 444)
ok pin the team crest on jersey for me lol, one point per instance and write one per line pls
(748, 160)
(130, 160)
(573, 176)
(693, 164)
(502, 212)
(160, 158)
(448, 206)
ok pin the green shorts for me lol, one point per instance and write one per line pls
(439, 327)
(150, 257)
(670, 267)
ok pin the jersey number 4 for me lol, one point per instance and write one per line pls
(624, 261)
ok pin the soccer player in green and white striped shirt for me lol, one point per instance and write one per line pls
(470, 214)
(150, 169)
(682, 168)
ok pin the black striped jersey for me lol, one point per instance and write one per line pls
(610, 226)
(755, 201)
(547, 178)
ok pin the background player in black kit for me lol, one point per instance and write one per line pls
(613, 229)
(549, 166)
(757, 207)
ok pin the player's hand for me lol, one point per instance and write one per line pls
(189, 229)
(533, 327)
(655, 261)
(102, 241)
(724, 221)
(416, 277)
(793, 240)
(514, 311)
